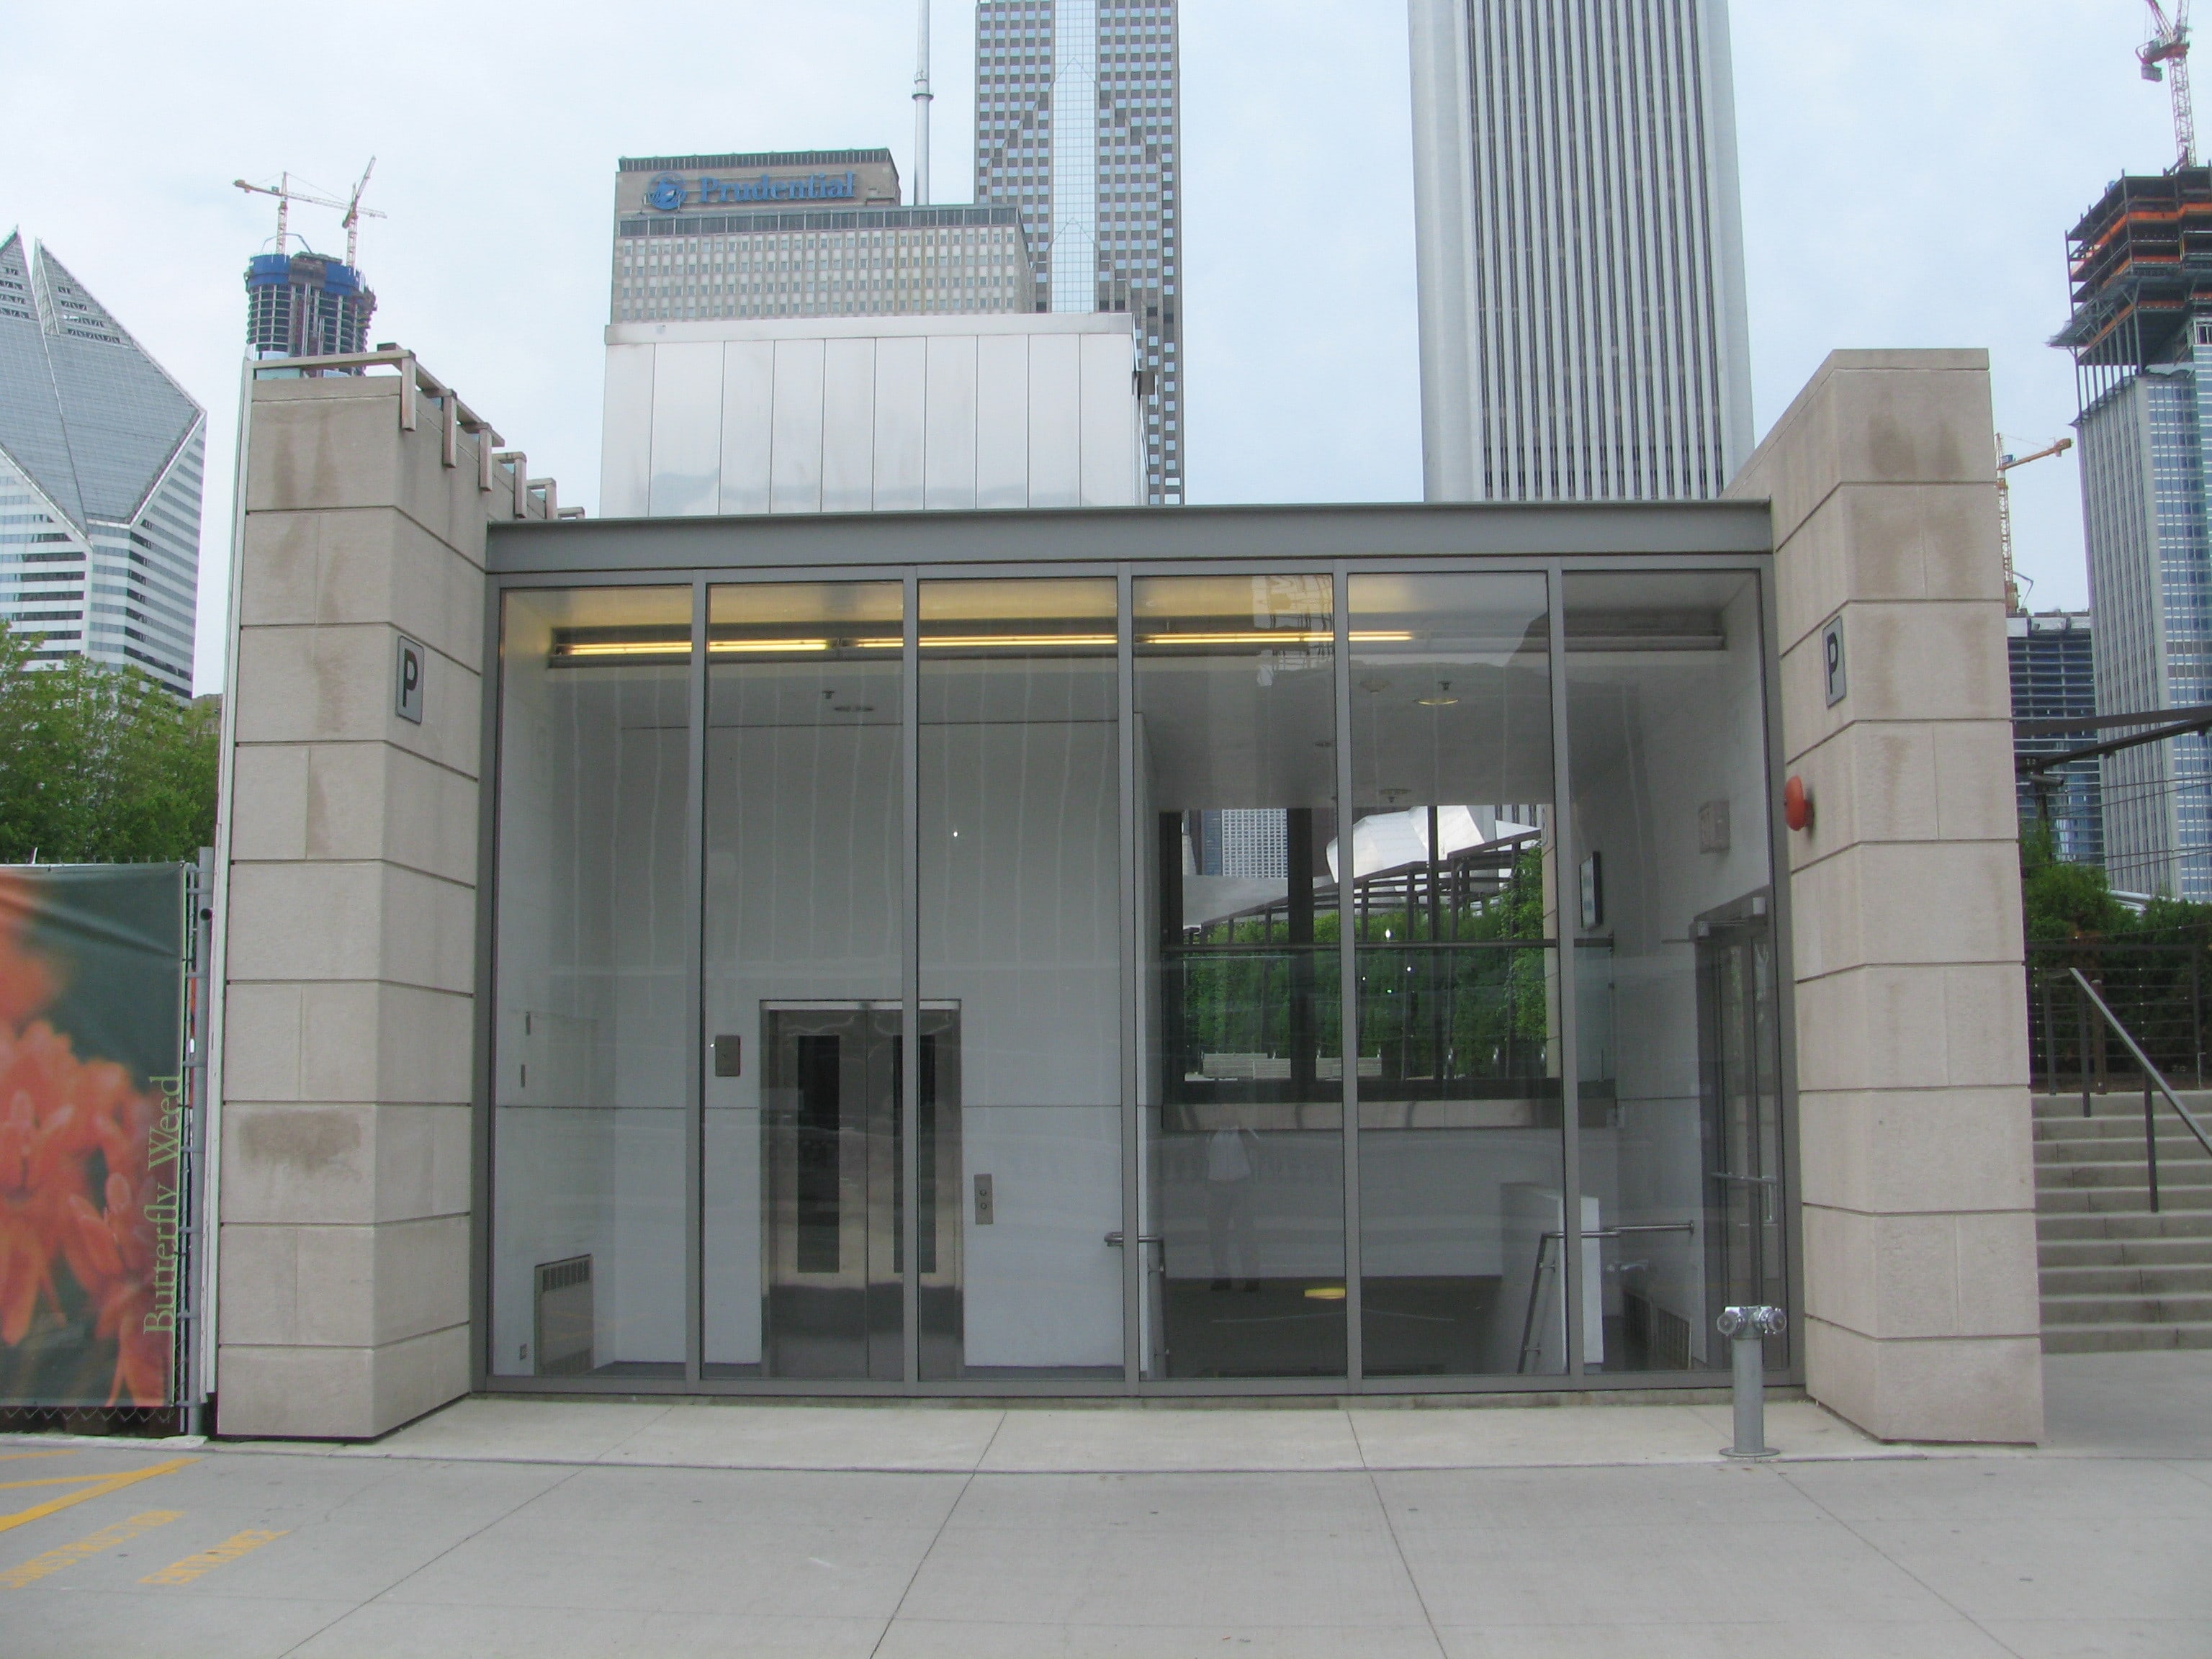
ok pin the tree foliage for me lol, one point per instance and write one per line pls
(100, 765)
(1488, 1007)
(2065, 902)
(2152, 967)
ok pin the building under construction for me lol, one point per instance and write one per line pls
(2140, 264)
(305, 305)
(2139, 269)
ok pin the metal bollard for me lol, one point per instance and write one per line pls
(1748, 1329)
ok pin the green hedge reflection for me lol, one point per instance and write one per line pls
(1444, 995)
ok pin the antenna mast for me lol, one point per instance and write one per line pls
(2168, 49)
(921, 102)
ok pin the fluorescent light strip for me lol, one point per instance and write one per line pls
(624, 648)
(958, 642)
(979, 640)
(1260, 637)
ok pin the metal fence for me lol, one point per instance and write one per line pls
(2157, 990)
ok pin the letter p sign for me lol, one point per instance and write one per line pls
(407, 681)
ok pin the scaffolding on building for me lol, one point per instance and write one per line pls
(2139, 268)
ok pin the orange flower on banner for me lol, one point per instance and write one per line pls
(74, 1135)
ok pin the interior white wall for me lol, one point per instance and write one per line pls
(871, 414)
(1020, 926)
(1433, 1200)
(1043, 1286)
(587, 1150)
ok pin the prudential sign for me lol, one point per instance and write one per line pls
(670, 192)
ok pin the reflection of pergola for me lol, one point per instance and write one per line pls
(1392, 869)
(1415, 923)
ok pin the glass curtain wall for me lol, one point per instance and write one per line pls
(1455, 909)
(590, 1085)
(1242, 1036)
(988, 783)
(802, 1268)
(1020, 885)
(1678, 1018)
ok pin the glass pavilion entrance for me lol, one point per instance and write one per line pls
(1255, 930)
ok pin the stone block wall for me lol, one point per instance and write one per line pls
(1921, 1319)
(348, 892)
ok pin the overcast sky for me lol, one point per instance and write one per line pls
(1911, 169)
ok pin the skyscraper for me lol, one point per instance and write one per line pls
(2054, 677)
(305, 305)
(1580, 245)
(2140, 264)
(1077, 125)
(100, 481)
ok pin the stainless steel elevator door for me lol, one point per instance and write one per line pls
(833, 1206)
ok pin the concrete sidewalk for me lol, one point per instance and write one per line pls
(544, 1529)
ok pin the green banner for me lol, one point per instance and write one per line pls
(92, 1008)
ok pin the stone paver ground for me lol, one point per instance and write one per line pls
(525, 1529)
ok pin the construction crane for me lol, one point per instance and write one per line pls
(285, 194)
(2165, 57)
(2006, 463)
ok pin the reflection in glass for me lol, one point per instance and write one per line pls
(1455, 911)
(1681, 1137)
(1020, 894)
(801, 987)
(590, 1037)
(1243, 1078)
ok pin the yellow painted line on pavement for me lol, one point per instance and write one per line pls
(237, 1544)
(100, 1485)
(39, 1566)
(50, 1480)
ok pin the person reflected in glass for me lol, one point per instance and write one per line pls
(1232, 1154)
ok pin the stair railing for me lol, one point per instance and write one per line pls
(2152, 1079)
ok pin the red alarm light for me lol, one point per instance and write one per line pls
(1797, 804)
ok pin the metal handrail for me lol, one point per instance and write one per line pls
(2152, 1076)
(1544, 1242)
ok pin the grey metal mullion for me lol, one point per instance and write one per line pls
(911, 980)
(1348, 986)
(695, 949)
(1783, 943)
(483, 1140)
(1135, 1260)
(1569, 925)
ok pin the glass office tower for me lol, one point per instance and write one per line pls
(1078, 125)
(1084, 964)
(101, 456)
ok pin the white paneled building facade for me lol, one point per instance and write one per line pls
(871, 414)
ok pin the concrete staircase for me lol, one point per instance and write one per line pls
(2115, 1276)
